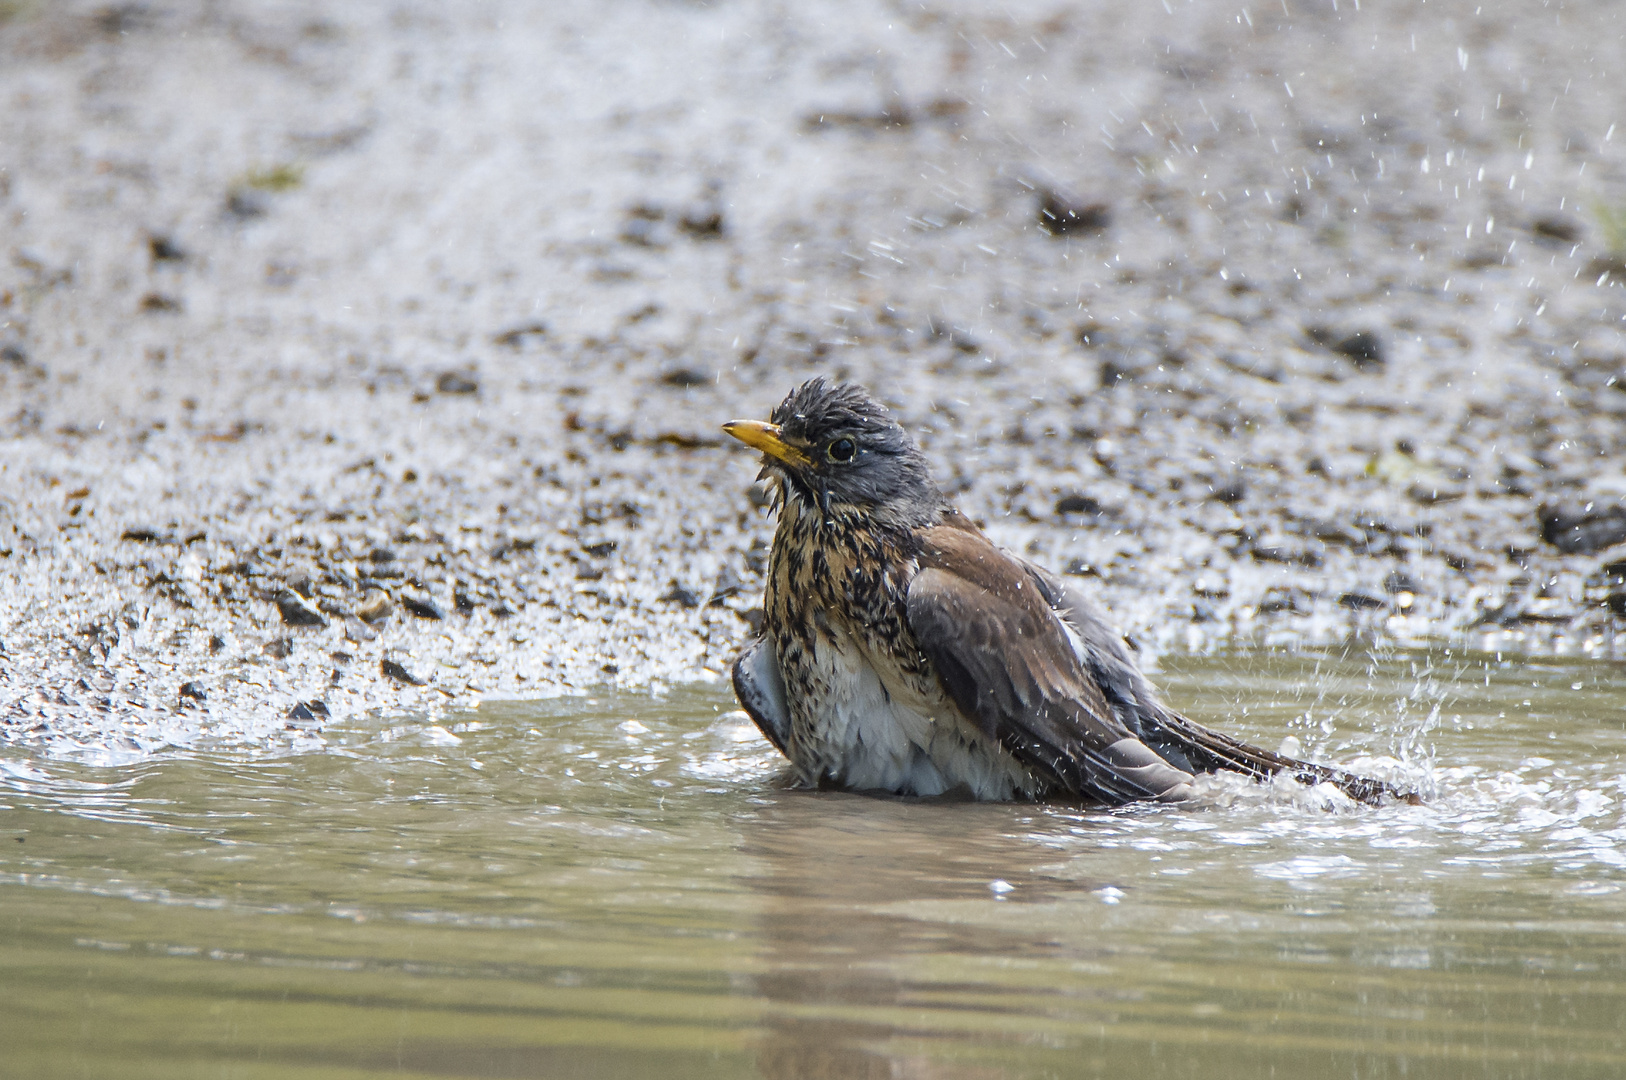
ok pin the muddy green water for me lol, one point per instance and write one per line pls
(614, 887)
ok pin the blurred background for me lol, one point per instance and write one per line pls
(1281, 322)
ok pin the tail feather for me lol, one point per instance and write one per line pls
(1212, 751)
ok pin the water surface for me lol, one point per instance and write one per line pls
(614, 886)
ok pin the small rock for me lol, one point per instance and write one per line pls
(1079, 504)
(1364, 347)
(1287, 600)
(1060, 216)
(193, 691)
(246, 203)
(703, 219)
(375, 609)
(1229, 492)
(390, 669)
(164, 249)
(1558, 230)
(160, 303)
(1615, 572)
(143, 535)
(1582, 531)
(452, 382)
(279, 648)
(357, 631)
(296, 612)
(463, 602)
(307, 713)
(688, 377)
(1432, 493)
(1362, 599)
(600, 548)
(1616, 603)
(680, 593)
(422, 606)
(515, 337)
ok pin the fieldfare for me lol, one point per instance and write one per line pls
(903, 652)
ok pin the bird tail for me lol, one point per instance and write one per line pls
(1211, 751)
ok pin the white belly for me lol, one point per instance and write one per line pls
(874, 737)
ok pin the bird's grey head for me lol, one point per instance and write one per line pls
(837, 450)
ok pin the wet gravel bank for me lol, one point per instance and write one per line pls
(374, 358)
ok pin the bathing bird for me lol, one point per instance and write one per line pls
(904, 652)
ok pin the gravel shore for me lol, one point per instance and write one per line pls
(373, 357)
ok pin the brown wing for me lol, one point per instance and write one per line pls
(1183, 743)
(1012, 668)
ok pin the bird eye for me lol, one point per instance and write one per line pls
(842, 449)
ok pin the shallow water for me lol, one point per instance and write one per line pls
(614, 886)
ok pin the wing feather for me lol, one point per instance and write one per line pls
(1011, 668)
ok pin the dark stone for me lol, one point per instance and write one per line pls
(514, 338)
(392, 670)
(1298, 553)
(1616, 603)
(1364, 347)
(1081, 568)
(246, 203)
(163, 249)
(703, 220)
(1615, 572)
(1287, 600)
(1457, 560)
(600, 548)
(1558, 230)
(296, 612)
(1584, 530)
(687, 377)
(1229, 492)
(279, 648)
(680, 593)
(381, 555)
(1078, 504)
(14, 354)
(193, 691)
(306, 713)
(421, 606)
(143, 535)
(1362, 599)
(1060, 216)
(160, 303)
(463, 602)
(452, 382)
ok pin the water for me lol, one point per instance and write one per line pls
(615, 887)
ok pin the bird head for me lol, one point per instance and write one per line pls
(834, 449)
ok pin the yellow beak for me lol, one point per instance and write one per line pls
(768, 439)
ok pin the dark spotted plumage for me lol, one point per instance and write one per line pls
(904, 652)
